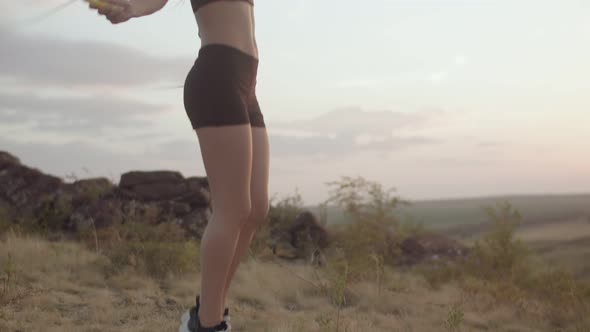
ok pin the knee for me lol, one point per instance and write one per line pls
(238, 211)
(259, 213)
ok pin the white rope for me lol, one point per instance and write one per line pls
(45, 14)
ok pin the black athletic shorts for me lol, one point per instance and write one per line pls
(220, 88)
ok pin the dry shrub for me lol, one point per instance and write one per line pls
(157, 259)
(499, 255)
(373, 237)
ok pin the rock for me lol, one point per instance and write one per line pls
(133, 178)
(198, 194)
(430, 246)
(89, 190)
(174, 209)
(140, 212)
(285, 250)
(306, 228)
(158, 186)
(149, 197)
(8, 160)
(197, 182)
(23, 188)
(303, 238)
(100, 214)
(195, 222)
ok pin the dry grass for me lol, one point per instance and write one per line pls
(64, 287)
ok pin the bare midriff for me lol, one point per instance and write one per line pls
(230, 23)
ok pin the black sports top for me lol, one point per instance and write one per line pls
(200, 3)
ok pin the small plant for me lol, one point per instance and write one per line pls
(7, 279)
(325, 322)
(455, 318)
(379, 270)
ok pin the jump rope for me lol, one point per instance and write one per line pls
(98, 4)
(94, 4)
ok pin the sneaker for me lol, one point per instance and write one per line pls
(226, 317)
(189, 321)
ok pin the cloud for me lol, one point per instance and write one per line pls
(80, 158)
(355, 121)
(349, 131)
(41, 60)
(75, 114)
(338, 146)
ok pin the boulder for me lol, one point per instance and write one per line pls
(7, 160)
(23, 188)
(194, 223)
(158, 186)
(134, 178)
(303, 238)
(100, 214)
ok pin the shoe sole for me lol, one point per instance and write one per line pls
(184, 322)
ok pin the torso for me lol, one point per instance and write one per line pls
(227, 22)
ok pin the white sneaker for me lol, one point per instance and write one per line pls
(189, 322)
(184, 322)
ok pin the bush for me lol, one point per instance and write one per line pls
(158, 259)
(284, 210)
(374, 235)
(500, 255)
(104, 239)
(505, 265)
(156, 250)
(365, 200)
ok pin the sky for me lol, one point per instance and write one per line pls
(437, 99)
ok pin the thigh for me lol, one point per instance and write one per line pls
(255, 116)
(227, 156)
(260, 173)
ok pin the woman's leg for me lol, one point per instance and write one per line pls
(227, 156)
(259, 197)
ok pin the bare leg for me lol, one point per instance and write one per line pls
(259, 197)
(227, 156)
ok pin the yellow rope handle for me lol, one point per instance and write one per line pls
(98, 4)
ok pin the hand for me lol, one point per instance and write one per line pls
(116, 11)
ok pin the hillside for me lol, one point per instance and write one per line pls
(62, 287)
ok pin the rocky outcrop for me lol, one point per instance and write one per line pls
(153, 197)
(23, 189)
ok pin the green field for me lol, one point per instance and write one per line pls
(453, 213)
